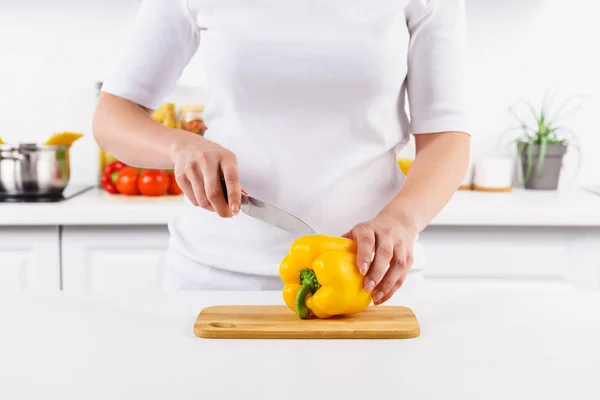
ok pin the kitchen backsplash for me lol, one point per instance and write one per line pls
(52, 55)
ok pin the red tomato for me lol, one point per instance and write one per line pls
(174, 188)
(126, 181)
(153, 182)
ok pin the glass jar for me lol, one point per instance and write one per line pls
(192, 119)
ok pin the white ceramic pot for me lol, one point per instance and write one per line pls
(467, 183)
(493, 174)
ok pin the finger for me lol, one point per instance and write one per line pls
(395, 271)
(384, 251)
(232, 182)
(186, 187)
(212, 186)
(395, 288)
(364, 236)
(196, 180)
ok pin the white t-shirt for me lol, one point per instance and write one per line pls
(310, 96)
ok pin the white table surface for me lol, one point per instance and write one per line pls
(478, 341)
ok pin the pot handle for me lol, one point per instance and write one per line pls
(11, 155)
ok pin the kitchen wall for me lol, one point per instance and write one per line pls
(52, 52)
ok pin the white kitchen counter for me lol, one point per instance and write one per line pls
(478, 341)
(92, 208)
(576, 208)
(94, 242)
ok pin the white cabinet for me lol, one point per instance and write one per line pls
(115, 258)
(124, 258)
(572, 254)
(29, 258)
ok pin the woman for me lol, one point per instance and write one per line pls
(306, 112)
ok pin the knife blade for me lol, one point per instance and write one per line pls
(270, 214)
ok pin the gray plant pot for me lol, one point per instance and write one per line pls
(550, 174)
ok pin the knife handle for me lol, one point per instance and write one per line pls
(224, 189)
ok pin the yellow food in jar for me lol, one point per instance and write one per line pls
(405, 164)
(63, 139)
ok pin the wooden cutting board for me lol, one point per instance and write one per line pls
(279, 322)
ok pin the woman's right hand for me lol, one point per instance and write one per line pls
(199, 165)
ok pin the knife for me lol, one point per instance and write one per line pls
(270, 214)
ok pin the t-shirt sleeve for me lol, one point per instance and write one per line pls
(436, 84)
(163, 39)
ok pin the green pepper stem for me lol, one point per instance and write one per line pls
(310, 284)
(301, 309)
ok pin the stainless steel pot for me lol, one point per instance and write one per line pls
(33, 170)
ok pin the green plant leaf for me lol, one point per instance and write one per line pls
(542, 130)
(534, 113)
(531, 108)
(578, 151)
(547, 101)
(509, 130)
(573, 135)
(542, 155)
(529, 160)
(559, 115)
(526, 134)
(519, 155)
(524, 124)
(529, 168)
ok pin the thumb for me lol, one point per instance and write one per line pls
(349, 235)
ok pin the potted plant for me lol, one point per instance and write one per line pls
(542, 142)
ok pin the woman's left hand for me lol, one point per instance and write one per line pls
(391, 240)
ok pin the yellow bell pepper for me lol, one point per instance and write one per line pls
(322, 279)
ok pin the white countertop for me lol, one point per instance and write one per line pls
(520, 208)
(94, 207)
(478, 341)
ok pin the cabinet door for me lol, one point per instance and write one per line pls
(512, 252)
(113, 258)
(29, 258)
